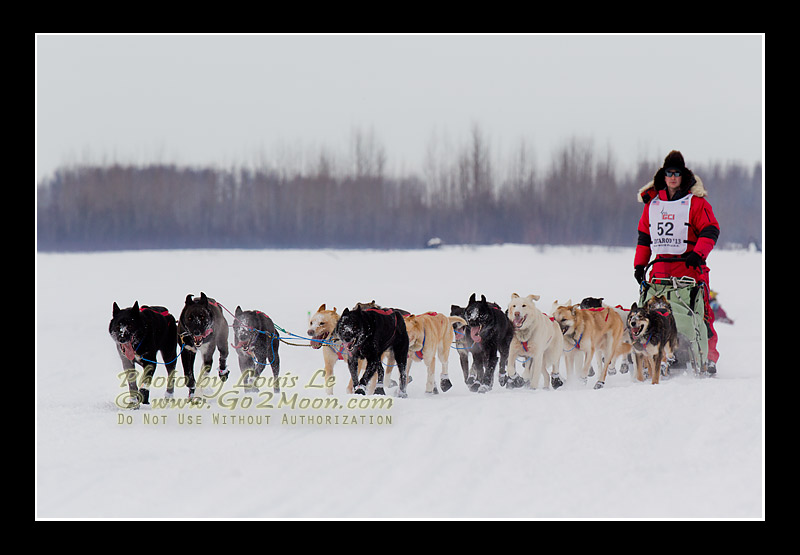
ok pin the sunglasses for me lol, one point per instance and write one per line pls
(672, 173)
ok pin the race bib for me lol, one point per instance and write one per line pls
(669, 225)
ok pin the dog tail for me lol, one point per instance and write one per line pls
(456, 320)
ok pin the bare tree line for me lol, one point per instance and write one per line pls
(463, 196)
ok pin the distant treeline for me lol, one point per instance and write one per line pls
(579, 198)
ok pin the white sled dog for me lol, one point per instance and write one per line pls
(537, 339)
(430, 334)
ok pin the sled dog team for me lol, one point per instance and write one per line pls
(373, 340)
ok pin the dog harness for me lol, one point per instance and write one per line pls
(150, 309)
(576, 346)
(419, 353)
(597, 310)
(339, 352)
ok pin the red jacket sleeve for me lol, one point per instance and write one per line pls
(642, 256)
(705, 225)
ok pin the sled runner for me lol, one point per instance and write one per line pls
(685, 296)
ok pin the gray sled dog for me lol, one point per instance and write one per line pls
(256, 346)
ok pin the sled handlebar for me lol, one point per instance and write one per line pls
(678, 259)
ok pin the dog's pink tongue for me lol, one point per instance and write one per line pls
(128, 351)
(475, 333)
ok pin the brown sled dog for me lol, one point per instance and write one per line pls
(652, 337)
(430, 334)
(588, 330)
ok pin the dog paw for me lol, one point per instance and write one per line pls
(434, 391)
(379, 391)
(623, 369)
(223, 374)
(401, 394)
(555, 381)
(599, 385)
(446, 384)
(359, 390)
(144, 396)
(484, 388)
(502, 379)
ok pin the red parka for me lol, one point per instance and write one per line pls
(703, 226)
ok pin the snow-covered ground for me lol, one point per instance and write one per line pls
(687, 448)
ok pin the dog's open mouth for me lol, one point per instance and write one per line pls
(241, 345)
(475, 333)
(198, 339)
(519, 321)
(636, 330)
(317, 340)
(128, 350)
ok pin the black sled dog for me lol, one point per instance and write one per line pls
(202, 328)
(256, 345)
(140, 332)
(368, 334)
(491, 332)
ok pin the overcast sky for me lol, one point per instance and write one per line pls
(225, 100)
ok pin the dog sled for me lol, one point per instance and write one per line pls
(685, 296)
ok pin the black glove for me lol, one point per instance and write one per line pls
(638, 274)
(694, 260)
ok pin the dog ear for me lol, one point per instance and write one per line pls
(472, 298)
(514, 296)
(534, 297)
(135, 307)
(189, 298)
(346, 311)
(203, 298)
(321, 307)
(115, 309)
(634, 307)
(239, 311)
(483, 298)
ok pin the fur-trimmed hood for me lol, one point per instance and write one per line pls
(690, 183)
(650, 191)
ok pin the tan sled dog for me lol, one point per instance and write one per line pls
(587, 330)
(320, 328)
(430, 334)
(537, 339)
